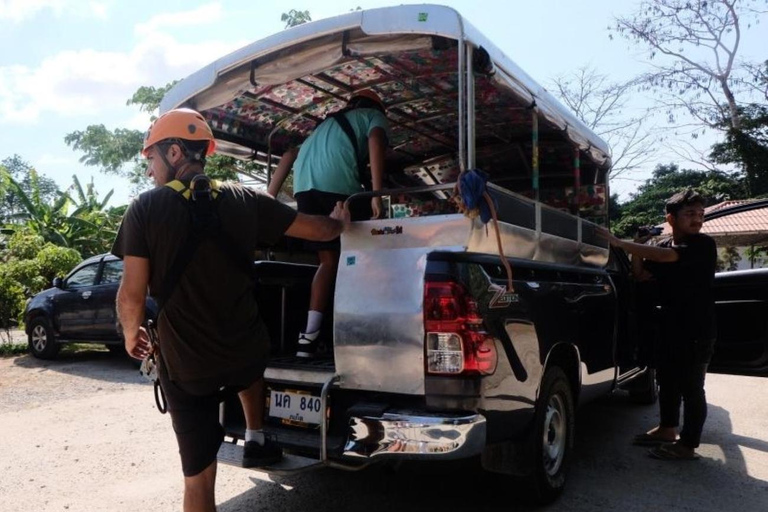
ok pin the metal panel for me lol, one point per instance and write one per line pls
(382, 269)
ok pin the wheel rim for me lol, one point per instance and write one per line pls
(39, 338)
(554, 435)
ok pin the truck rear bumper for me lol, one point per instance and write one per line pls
(397, 435)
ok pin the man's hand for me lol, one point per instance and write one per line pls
(641, 238)
(138, 346)
(610, 237)
(376, 207)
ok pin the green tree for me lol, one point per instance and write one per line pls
(694, 46)
(294, 17)
(19, 170)
(646, 207)
(747, 146)
(83, 224)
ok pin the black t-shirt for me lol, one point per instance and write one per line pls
(685, 287)
(210, 324)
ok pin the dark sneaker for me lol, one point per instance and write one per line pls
(307, 346)
(256, 455)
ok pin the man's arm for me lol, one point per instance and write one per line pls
(377, 148)
(282, 171)
(319, 228)
(648, 252)
(131, 303)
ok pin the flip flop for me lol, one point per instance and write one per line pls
(649, 440)
(672, 451)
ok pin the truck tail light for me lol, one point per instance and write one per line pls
(456, 341)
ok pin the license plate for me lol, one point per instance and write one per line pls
(295, 407)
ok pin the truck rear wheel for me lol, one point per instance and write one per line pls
(552, 436)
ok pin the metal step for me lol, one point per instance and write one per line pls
(232, 455)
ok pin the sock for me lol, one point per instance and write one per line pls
(314, 321)
(254, 435)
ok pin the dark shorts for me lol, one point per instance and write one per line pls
(194, 410)
(316, 202)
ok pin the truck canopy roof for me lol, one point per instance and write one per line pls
(269, 96)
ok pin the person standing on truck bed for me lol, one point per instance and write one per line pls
(684, 266)
(211, 338)
(330, 167)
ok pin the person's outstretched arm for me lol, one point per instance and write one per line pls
(282, 171)
(377, 148)
(648, 252)
(318, 227)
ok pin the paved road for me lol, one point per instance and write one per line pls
(81, 434)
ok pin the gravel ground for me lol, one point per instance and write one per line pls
(82, 434)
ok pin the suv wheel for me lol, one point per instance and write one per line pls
(41, 341)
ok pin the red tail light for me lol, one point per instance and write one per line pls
(456, 341)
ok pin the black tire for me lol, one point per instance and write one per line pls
(645, 389)
(42, 343)
(552, 436)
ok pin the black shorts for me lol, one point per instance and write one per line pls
(317, 202)
(194, 410)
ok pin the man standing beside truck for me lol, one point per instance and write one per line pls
(684, 266)
(329, 167)
(211, 338)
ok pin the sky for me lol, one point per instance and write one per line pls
(68, 64)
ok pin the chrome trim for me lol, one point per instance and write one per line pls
(292, 375)
(416, 437)
(324, 423)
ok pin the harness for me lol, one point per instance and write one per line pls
(201, 198)
(362, 169)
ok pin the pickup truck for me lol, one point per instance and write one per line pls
(433, 356)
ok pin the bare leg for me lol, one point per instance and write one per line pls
(252, 400)
(324, 281)
(199, 491)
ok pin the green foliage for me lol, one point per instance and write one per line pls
(11, 301)
(53, 261)
(646, 207)
(148, 98)
(294, 17)
(23, 245)
(14, 168)
(13, 349)
(109, 150)
(747, 145)
(84, 223)
(728, 259)
(27, 267)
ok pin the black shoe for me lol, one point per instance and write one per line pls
(307, 346)
(256, 455)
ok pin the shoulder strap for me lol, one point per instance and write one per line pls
(201, 199)
(346, 127)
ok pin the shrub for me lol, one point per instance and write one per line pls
(11, 301)
(55, 261)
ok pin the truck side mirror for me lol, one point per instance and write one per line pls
(57, 282)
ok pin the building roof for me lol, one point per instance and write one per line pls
(735, 223)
